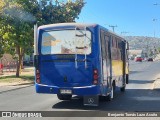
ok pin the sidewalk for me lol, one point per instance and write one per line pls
(156, 84)
(8, 86)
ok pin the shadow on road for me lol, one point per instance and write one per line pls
(140, 81)
(135, 72)
(132, 100)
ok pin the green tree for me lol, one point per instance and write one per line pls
(18, 16)
(2, 5)
(16, 31)
(59, 12)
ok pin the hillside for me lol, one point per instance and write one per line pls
(143, 42)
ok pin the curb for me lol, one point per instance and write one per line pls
(3, 84)
(156, 83)
(18, 86)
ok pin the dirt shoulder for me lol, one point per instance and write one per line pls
(9, 78)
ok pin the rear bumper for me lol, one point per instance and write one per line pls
(84, 90)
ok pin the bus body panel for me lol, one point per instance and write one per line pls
(59, 71)
(65, 74)
(81, 91)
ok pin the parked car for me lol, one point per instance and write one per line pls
(150, 59)
(138, 59)
(28, 63)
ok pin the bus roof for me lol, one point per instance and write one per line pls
(67, 24)
(79, 25)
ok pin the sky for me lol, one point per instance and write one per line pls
(132, 16)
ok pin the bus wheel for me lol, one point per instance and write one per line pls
(112, 91)
(105, 98)
(111, 95)
(123, 88)
(64, 97)
(127, 78)
(108, 97)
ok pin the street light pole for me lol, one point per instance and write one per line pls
(157, 5)
(154, 20)
(113, 26)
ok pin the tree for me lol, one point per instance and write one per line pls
(58, 12)
(2, 4)
(18, 17)
(16, 31)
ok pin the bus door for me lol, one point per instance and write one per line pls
(105, 61)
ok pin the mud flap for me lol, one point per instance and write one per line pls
(91, 100)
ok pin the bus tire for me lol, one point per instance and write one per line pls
(108, 98)
(64, 97)
(127, 78)
(123, 89)
(111, 95)
(105, 98)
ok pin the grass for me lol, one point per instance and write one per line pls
(13, 78)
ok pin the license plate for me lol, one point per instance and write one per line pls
(64, 91)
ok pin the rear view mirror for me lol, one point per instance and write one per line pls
(127, 46)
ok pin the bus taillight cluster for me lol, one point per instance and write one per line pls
(95, 77)
(37, 76)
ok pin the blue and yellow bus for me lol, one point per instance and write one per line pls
(80, 59)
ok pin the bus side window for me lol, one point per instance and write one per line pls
(107, 43)
(113, 42)
(120, 49)
(103, 44)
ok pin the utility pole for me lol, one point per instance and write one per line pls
(113, 26)
(157, 4)
(154, 20)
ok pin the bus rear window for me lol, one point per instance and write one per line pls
(66, 42)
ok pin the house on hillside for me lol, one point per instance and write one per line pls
(137, 53)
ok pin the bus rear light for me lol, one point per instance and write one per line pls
(38, 81)
(95, 76)
(37, 76)
(95, 82)
(95, 71)
(37, 72)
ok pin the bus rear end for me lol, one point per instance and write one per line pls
(66, 64)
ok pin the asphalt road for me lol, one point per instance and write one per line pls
(139, 96)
